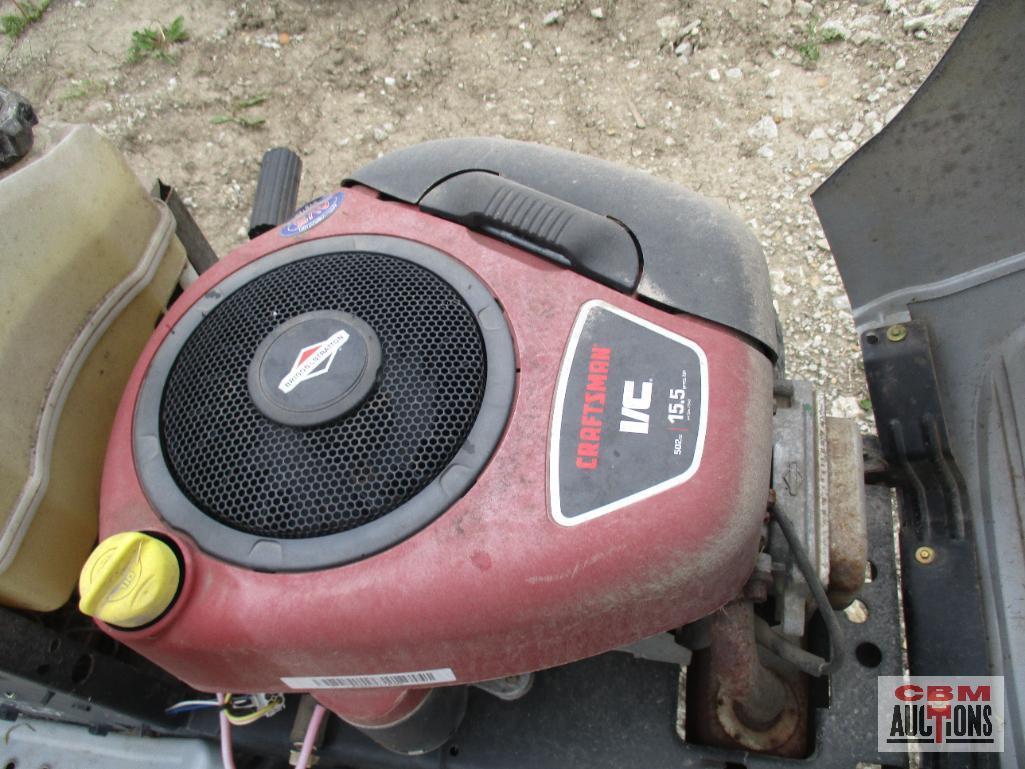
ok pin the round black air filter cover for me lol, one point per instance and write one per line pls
(324, 402)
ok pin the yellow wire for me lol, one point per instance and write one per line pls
(249, 718)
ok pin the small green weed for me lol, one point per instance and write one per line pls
(810, 53)
(84, 89)
(808, 47)
(28, 13)
(156, 43)
(243, 120)
(252, 101)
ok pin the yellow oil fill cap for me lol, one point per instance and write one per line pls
(129, 580)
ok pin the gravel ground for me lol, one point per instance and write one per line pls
(751, 103)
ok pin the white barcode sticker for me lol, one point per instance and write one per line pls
(381, 680)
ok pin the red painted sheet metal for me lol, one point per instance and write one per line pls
(494, 586)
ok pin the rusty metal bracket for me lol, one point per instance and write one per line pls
(818, 478)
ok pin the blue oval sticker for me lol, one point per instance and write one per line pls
(312, 215)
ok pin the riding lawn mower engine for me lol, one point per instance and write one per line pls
(488, 409)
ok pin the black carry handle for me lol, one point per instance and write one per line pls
(277, 190)
(591, 244)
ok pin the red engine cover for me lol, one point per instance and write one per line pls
(503, 582)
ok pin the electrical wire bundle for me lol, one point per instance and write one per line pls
(242, 710)
(239, 709)
(245, 709)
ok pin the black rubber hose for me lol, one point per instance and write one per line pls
(817, 590)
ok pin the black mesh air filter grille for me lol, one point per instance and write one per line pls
(263, 478)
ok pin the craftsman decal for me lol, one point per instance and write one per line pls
(593, 412)
(629, 417)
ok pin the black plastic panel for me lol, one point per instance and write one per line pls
(927, 223)
(941, 191)
(696, 256)
(934, 506)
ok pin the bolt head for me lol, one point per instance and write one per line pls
(925, 555)
(898, 332)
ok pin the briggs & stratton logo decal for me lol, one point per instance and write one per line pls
(312, 215)
(941, 714)
(313, 361)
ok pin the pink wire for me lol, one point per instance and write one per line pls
(227, 758)
(310, 738)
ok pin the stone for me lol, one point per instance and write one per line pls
(691, 28)
(668, 27)
(917, 23)
(764, 130)
(820, 150)
(842, 149)
(863, 36)
(835, 30)
(955, 17)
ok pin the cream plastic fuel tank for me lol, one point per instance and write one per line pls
(89, 261)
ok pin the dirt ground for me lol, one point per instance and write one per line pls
(755, 105)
